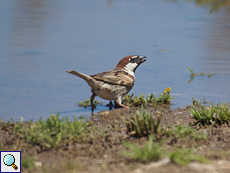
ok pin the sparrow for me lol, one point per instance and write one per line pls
(113, 84)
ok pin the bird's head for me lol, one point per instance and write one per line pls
(130, 63)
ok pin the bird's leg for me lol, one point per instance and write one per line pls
(110, 105)
(119, 103)
(91, 99)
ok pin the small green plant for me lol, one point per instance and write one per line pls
(184, 156)
(151, 151)
(164, 98)
(204, 115)
(211, 115)
(183, 131)
(143, 123)
(135, 101)
(6, 125)
(200, 101)
(222, 112)
(68, 163)
(87, 103)
(27, 162)
(51, 132)
(193, 74)
(210, 74)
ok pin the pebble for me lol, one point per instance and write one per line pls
(163, 162)
(199, 167)
(38, 164)
(104, 112)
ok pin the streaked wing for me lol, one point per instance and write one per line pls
(116, 76)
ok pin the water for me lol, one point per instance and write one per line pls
(42, 39)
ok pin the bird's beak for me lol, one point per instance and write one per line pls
(141, 59)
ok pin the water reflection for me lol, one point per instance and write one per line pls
(217, 36)
(27, 34)
(29, 18)
(217, 44)
(213, 5)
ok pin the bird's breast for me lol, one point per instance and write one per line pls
(111, 91)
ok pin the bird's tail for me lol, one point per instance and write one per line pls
(88, 79)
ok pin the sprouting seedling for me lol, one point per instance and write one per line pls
(193, 74)
(9, 160)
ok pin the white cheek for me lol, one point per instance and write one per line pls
(130, 68)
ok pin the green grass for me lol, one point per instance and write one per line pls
(51, 132)
(184, 131)
(151, 151)
(143, 123)
(87, 103)
(212, 114)
(135, 101)
(28, 162)
(184, 156)
(68, 163)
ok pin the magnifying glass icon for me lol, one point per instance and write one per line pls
(9, 160)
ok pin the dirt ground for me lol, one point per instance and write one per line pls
(106, 155)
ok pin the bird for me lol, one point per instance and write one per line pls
(113, 84)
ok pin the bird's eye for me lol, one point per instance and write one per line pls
(133, 59)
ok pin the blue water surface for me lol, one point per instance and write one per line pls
(42, 39)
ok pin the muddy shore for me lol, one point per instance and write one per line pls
(106, 155)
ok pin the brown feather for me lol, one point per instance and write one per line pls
(122, 63)
(116, 76)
